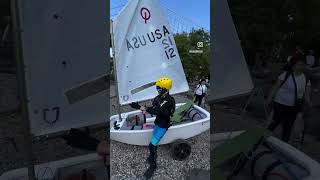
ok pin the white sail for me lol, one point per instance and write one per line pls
(64, 51)
(145, 50)
(229, 73)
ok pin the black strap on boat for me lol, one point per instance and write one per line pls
(255, 159)
(280, 155)
(194, 115)
(270, 168)
(144, 118)
(190, 112)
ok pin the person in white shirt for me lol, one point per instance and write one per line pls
(200, 92)
(288, 95)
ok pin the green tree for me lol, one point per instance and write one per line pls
(261, 24)
(195, 64)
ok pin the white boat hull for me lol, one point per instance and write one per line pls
(49, 170)
(143, 137)
(312, 166)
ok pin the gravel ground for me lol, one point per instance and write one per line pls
(128, 161)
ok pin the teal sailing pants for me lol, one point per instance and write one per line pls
(158, 133)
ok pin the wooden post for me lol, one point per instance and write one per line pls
(22, 87)
(115, 73)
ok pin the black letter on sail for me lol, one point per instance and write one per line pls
(165, 30)
(154, 39)
(143, 44)
(135, 42)
(129, 45)
(157, 32)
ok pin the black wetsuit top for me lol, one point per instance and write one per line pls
(163, 106)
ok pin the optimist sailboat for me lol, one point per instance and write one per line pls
(145, 50)
(262, 155)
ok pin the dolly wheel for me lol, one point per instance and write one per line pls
(180, 149)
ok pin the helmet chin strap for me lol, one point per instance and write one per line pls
(162, 91)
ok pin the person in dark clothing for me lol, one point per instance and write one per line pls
(163, 106)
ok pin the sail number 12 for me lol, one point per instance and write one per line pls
(170, 53)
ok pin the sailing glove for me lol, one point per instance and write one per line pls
(135, 105)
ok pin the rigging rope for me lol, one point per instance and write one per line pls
(177, 22)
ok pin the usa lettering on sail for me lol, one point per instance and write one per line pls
(151, 37)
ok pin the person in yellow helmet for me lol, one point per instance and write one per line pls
(163, 106)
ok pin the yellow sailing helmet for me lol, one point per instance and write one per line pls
(164, 83)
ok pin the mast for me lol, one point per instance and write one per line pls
(115, 73)
(22, 87)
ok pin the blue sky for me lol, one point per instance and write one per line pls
(197, 11)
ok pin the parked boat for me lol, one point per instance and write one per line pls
(194, 121)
